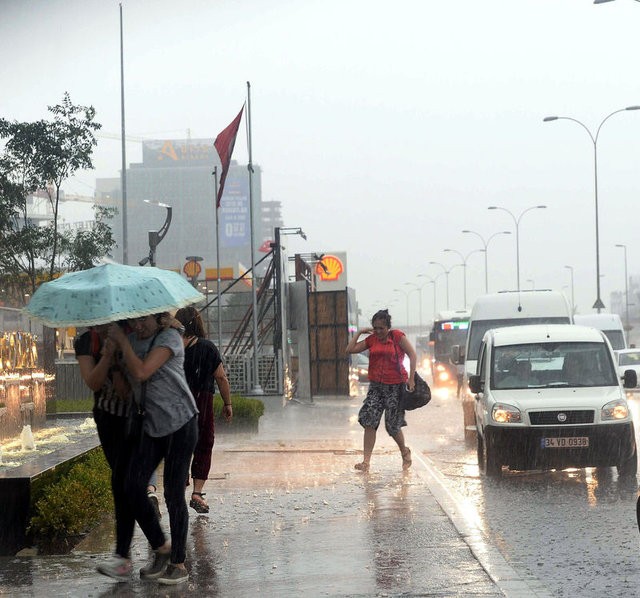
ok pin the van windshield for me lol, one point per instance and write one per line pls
(477, 329)
(616, 338)
(550, 365)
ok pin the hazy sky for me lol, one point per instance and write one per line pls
(385, 129)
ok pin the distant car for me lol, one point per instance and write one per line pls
(629, 359)
(359, 368)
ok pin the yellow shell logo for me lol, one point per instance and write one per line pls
(332, 268)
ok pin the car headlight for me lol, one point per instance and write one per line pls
(615, 410)
(506, 414)
(443, 376)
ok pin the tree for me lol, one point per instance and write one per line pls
(85, 247)
(39, 157)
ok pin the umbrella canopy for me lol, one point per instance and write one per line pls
(108, 293)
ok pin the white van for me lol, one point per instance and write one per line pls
(610, 324)
(550, 397)
(499, 310)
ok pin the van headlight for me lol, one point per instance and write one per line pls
(615, 410)
(506, 414)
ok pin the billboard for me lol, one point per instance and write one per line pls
(235, 220)
(331, 272)
(167, 153)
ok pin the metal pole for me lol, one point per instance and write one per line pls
(215, 203)
(123, 174)
(626, 288)
(257, 389)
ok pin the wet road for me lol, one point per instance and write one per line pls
(572, 532)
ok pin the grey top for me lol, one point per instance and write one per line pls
(169, 403)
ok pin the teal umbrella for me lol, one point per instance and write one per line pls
(108, 293)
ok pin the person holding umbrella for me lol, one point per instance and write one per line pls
(154, 358)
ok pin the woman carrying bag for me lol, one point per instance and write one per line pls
(387, 375)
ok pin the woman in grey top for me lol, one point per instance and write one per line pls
(154, 358)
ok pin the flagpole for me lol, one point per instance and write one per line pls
(123, 175)
(257, 389)
(215, 184)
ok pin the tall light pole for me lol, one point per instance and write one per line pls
(433, 282)
(516, 221)
(626, 288)
(406, 294)
(486, 245)
(155, 236)
(464, 269)
(446, 276)
(418, 287)
(594, 139)
(573, 302)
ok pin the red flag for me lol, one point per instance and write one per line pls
(224, 145)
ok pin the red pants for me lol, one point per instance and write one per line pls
(201, 463)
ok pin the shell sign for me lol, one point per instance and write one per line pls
(329, 268)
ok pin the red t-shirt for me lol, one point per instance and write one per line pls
(385, 358)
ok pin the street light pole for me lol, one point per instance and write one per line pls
(433, 282)
(573, 303)
(464, 269)
(155, 236)
(516, 221)
(446, 278)
(486, 245)
(406, 294)
(626, 288)
(594, 139)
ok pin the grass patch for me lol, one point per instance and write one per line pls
(70, 405)
(70, 507)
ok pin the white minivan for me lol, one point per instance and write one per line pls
(550, 397)
(499, 310)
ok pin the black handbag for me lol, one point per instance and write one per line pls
(421, 393)
(418, 397)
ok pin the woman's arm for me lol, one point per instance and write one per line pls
(407, 347)
(225, 391)
(140, 369)
(358, 347)
(95, 374)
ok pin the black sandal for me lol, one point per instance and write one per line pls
(198, 506)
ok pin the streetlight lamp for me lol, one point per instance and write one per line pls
(155, 236)
(594, 139)
(626, 288)
(603, 1)
(573, 303)
(486, 245)
(516, 221)
(464, 269)
(406, 294)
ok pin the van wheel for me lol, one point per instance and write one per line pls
(491, 465)
(629, 468)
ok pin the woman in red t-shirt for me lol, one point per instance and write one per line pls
(387, 349)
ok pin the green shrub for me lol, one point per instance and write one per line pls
(245, 410)
(73, 504)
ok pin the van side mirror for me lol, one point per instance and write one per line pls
(457, 354)
(432, 336)
(630, 379)
(475, 385)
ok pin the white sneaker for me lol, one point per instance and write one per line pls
(117, 568)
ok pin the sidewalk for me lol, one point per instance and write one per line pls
(291, 517)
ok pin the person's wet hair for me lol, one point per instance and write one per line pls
(382, 314)
(191, 319)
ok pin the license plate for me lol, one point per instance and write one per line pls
(565, 442)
